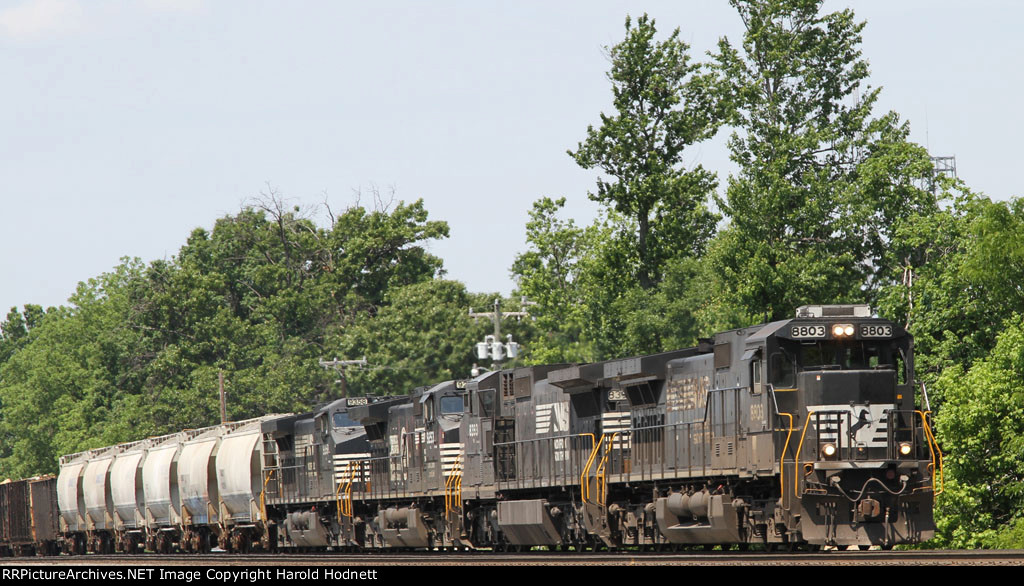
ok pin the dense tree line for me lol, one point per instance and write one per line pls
(261, 297)
(830, 203)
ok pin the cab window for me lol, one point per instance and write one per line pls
(451, 405)
(341, 419)
(782, 371)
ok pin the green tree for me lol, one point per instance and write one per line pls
(954, 275)
(422, 334)
(820, 182)
(663, 104)
(60, 390)
(957, 289)
(14, 330)
(559, 274)
(138, 350)
(981, 425)
(593, 285)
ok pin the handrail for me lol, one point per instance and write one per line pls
(263, 496)
(447, 490)
(585, 475)
(343, 508)
(453, 487)
(599, 475)
(931, 441)
(348, 486)
(782, 464)
(458, 486)
(796, 465)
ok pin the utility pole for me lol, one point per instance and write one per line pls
(492, 346)
(339, 366)
(223, 397)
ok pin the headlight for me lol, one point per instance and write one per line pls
(905, 448)
(840, 330)
(829, 450)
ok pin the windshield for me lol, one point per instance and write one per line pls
(451, 405)
(851, 355)
(342, 420)
(832, 355)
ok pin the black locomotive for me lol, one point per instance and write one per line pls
(795, 433)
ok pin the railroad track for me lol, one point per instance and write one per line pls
(375, 559)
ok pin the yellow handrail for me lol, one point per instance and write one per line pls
(348, 487)
(344, 509)
(931, 441)
(585, 476)
(263, 495)
(458, 486)
(583, 473)
(453, 487)
(447, 491)
(796, 466)
(602, 490)
(782, 464)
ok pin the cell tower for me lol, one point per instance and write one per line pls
(940, 166)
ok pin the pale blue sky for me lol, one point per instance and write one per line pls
(126, 123)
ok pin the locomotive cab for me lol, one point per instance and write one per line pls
(857, 452)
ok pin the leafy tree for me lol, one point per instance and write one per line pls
(954, 278)
(591, 283)
(957, 291)
(663, 104)
(138, 350)
(60, 389)
(982, 426)
(14, 330)
(559, 274)
(422, 334)
(820, 181)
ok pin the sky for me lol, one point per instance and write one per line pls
(125, 124)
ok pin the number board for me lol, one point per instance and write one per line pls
(807, 331)
(356, 401)
(875, 331)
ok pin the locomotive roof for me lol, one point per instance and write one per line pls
(763, 332)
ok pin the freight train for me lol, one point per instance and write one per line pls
(798, 433)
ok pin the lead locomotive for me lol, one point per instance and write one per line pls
(795, 433)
